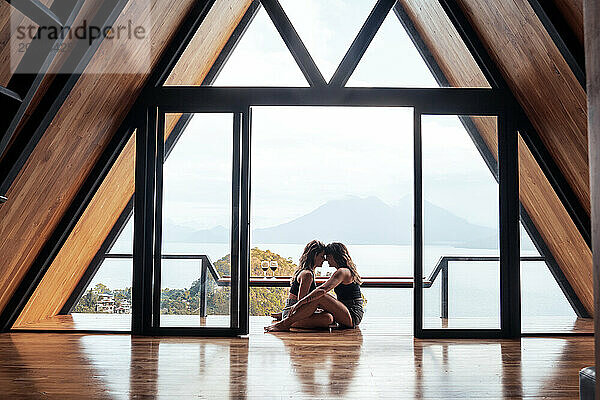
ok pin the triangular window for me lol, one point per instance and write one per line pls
(391, 60)
(327, 27)
(261, 58)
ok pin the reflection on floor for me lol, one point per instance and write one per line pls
(376, 361)
(122, 322)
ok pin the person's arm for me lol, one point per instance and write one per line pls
(334, 280)
(305, 278)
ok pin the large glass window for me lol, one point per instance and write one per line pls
(196, 223)
(334, 174)
(261, 59)
(460, 227)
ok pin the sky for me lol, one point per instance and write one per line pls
(303, 157)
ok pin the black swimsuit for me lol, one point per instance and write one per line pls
(350, 296)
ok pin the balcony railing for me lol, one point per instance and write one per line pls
(441, 268)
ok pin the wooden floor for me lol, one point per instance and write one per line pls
(371, 362)
(122, 322)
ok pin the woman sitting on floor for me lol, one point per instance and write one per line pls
(303, 280)
(346, 310)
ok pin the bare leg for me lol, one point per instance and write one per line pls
(319, 320)
(328, 303)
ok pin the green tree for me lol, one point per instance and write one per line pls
(263, 301)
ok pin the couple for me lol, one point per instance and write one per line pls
(311, 307)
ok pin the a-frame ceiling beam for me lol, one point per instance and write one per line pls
(361, 42)
(492, 164)
(294, 43)
(562, 36)
(51, 248)
(39, 56)
(171, 141)
(31, 133)
(37, 12)
(531, 137)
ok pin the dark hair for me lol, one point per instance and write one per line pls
(342, 258)
(307, 259)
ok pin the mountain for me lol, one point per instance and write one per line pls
(356, 220)
(371, 221)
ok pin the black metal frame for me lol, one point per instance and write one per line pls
(510, 301)
(148, 232)
(432, 101)
(361, 43)
(294, 43)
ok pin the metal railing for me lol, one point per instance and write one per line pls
(442, 266)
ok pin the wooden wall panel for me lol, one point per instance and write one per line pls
(118, 187)
(537, 196)
(541, 80)
(72, 144)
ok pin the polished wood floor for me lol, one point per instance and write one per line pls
(376, 361)
(122, 322)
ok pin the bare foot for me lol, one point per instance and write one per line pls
(276, 315)
(277, 327)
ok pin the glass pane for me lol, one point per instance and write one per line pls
(460, 223)
(544, 308)
(332, 174)
(261, 58)
(327, 27)
(124, 242)
(197, 222)
(106, 302)
(392, 60)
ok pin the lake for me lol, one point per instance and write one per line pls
(473, 286)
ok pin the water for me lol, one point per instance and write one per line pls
(473, 286)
